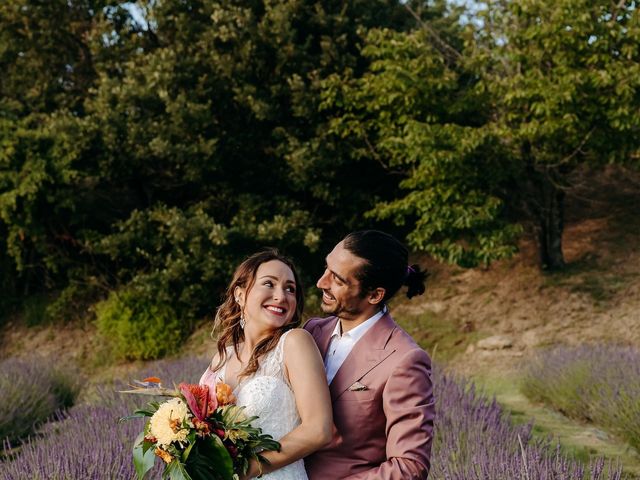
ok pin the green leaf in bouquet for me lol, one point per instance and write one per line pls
(187, 451)
(146, 445)
(142, 412)
(143, 459)
(176, 471)
(266, 442)
(131, 417)
(210, 460)
(233, 416)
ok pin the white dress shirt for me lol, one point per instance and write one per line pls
(341, 344)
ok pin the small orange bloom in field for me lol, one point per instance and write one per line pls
(152, 380)
(224, 394)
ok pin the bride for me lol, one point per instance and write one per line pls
(273, 367)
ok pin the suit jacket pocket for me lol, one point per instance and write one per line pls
(358, 396)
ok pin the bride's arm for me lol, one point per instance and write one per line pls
(308, 380)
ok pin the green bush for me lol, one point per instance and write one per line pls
(137, 328)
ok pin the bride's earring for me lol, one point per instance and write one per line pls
(242, 322)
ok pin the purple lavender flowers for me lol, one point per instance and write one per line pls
(31, 391)
(473, 439)
(596, 383)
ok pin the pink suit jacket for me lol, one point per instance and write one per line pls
(385, 430)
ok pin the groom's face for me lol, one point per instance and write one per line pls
(341, 292)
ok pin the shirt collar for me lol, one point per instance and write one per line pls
(357, 332)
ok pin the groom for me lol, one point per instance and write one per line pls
(379, 378)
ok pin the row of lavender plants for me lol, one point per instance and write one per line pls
(473, 439)
(596, 383)
(32, 391)
(88, 442)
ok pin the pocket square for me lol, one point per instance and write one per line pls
(357, 387)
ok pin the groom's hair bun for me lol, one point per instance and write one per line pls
(386, 263)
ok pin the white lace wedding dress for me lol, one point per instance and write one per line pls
(268, 395)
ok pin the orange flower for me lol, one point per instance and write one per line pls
(152, 380)
(224, 394)
(163, 454)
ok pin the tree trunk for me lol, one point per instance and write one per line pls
(551, 225)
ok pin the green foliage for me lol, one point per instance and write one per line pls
(188, 116)
(564, 78)
(485, 132)
(183, 257)
(563, 82)
(35, 310)
(413, 111)
(156, 153)
(44, 56)
(138, 327)
(74, 301)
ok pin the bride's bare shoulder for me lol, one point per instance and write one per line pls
(299, 341)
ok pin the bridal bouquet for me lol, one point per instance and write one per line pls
(198, 434)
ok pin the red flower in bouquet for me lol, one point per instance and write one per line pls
(201, 403)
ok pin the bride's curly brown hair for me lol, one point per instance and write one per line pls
(227, 321)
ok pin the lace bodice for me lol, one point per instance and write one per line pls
(268, 395)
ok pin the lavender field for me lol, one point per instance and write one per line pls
(32, 392)
(474, 438)
(598, 384)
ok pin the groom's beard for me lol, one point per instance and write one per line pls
(339, 310)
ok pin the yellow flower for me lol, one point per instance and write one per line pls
(165, 424)
(234, 435)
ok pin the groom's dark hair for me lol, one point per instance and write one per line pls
(386, 263)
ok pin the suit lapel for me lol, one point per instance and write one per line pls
(366, 354)
(325, 336)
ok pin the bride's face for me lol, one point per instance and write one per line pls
(271, 301)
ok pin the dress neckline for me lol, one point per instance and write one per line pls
(240, 384)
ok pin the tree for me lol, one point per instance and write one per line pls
(564, 83)
(175, 154)
(415, 111)
(48, 56)
(484, 135)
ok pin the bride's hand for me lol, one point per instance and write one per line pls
(252, 472)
